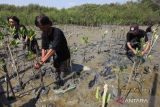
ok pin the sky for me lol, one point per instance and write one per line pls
(60, 3)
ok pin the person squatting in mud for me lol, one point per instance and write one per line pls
(54, 44)
(14, 22)
(134, 38)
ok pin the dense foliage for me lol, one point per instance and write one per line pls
(141, 12)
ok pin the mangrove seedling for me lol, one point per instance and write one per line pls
(85, 41)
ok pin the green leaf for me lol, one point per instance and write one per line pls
(138, 52)
(11, 31)
(15, 42)
(1, 36)
(150, 57)
(84, 40)
(31, 56)
(1, 62)
(22, 31)
(108, 98)
(97, 93)
(31, 34)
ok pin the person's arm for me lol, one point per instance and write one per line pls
(128, 37)
(54, 45)
(44, 48)
(146, 48)
(43, 53)
(46, 55)
(131, 48)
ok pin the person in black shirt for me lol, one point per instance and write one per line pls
(14, 22)
(134, 37)
(53, 44)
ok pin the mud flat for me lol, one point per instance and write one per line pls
(98, 61)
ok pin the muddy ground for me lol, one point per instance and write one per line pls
(104, 63)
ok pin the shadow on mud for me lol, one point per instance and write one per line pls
(153, 91)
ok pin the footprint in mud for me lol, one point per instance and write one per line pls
(93, 82)
(109, 77)
(107, 70)
(84, 75)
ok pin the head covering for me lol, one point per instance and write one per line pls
(134, 29)
(42, 20)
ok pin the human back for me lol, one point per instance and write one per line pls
(135, 39)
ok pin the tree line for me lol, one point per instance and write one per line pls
(142, 12)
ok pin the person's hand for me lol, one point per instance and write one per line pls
(142, 53)
(38, 65)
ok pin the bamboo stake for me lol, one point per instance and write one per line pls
(104, 95)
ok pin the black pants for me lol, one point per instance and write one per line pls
(62, 68)
(130, 55)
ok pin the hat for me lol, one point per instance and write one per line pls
(134, 29)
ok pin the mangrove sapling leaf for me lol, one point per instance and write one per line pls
(144, 46)
(4, 31)
(122, 68)
(12, 31)
(150, 58)
(31, 34)
(1, 44)
(108, 98)
(138, 52)
(1, 62)
(85, 41)
(73, 50)
(15, 42)
(8, 31)
(142, 43)
(1, 36)
(22, 31)
(4, 27)
(31, 56)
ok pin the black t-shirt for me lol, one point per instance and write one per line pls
(56, 41)
(135, 39)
